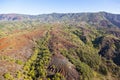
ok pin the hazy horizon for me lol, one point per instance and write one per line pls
(35, 7)
(57, 13)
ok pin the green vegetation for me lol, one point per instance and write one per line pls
(86, 58)
(36, 66)
(58, 76)
(8, 76)
(10, 59)
(85, 71)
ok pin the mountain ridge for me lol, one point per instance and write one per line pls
(97, 19)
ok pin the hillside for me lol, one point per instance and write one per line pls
(71, 46)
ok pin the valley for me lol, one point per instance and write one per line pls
(73, 46)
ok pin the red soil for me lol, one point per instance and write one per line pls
(19, 45)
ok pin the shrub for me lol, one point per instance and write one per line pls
(58, 76)
(103, 69)
(8, 76)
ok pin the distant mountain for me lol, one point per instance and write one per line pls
(99, 19)
(15, 17)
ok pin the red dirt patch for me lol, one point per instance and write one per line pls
(20, 43)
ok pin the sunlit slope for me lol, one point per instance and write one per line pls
(73, 46)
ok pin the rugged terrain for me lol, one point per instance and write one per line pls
(72, 46)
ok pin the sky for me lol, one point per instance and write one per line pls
(35, 7)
